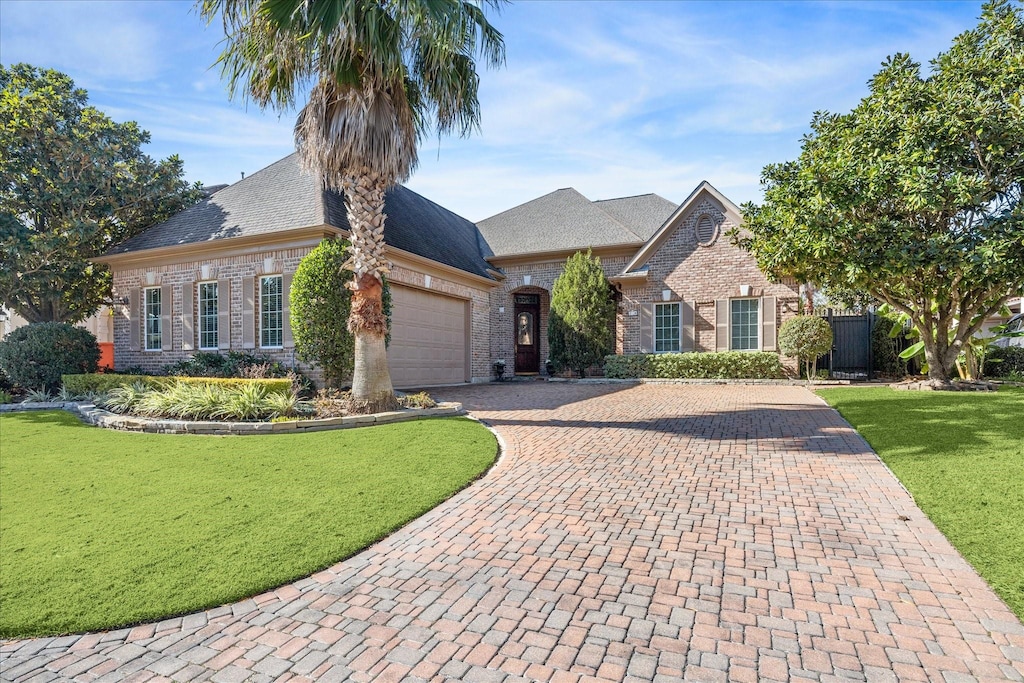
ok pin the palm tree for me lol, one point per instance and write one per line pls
(384, 73)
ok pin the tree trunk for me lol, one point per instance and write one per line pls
(940, 364)
(372, 390)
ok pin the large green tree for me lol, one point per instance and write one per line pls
(383, 73)
(73, 183)
(582, 316)
(914, 197)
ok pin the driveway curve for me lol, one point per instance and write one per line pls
(629, 533)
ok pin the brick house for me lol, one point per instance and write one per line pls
(216, 277)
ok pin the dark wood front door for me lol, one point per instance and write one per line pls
(527, 333)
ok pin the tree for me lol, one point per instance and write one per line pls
(318, 301)
(806, 337)
(383, 74)
(914, 197)
(582, 314)
(74, 183)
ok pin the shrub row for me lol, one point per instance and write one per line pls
(719, 365)
(1009, 360)
(204, 401)
(81, 385)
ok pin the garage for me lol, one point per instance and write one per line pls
(428, 338)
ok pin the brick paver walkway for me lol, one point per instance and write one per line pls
(637, 533)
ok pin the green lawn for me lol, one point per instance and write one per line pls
(100, 529)
(962, 457)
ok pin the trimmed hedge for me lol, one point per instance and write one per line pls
(717, 365)
(1009, 360)
(80, 385)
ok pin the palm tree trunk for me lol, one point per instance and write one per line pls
(372, 390)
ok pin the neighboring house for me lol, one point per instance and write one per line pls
(1015, 304)
(217, 275)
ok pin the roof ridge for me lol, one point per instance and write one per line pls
(628, 196)
(617, 221)
(531, 201)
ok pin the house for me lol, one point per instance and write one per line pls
(216, 277)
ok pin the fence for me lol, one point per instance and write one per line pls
(851, 356)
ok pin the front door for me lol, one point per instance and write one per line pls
(527, 333)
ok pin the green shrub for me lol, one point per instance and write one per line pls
(195, 399)
(82, 385)
(1004, 361)
(719, 365)
(886, 349)
(580, 323)
(319, 306)
(35, 356)
(806, 337)
(234, 364)
(277, 385)
(626, 367)
(5, 397)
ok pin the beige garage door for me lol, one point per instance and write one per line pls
(428, 338)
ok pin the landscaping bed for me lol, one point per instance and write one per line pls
(101, 529)
(961, 455)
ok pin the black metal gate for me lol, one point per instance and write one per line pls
(851, 356)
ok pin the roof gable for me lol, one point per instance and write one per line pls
(702, 191)
(642, 214)
(561, 220)
(281, 197)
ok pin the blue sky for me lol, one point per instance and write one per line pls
(612, 98)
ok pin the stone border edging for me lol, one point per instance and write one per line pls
(653, 380)
(90, 414)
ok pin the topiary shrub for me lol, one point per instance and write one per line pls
(319, 306)
(35, 356)
(582, 313)
(717, 365)
(806, 337)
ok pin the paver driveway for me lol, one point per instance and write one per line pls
(630, 533)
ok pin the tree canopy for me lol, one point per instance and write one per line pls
(913, 197)
(74, 183)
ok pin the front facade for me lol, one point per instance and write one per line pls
(217, 277)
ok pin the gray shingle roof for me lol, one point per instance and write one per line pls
(642, 214)
(564, 219)
(282, 197)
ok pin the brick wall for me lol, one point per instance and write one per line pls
(690, 271)
(235, 269)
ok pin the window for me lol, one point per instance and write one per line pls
(154, 325)
(271, 312)
(744, 327)
(208, 315)
(666, 328)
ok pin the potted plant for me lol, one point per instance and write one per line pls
(499, 369)
(549, 366)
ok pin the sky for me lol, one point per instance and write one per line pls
(611, 98)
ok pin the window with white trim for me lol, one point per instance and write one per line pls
(666, 328)
(745, 328)
(271, 311)
(154, 320)
(208, 315)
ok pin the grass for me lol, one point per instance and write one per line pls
(101, 529)
(962, 457)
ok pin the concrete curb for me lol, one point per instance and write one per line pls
(93, 415)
